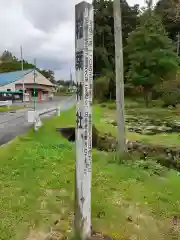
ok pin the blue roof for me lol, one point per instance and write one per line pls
(9, 77)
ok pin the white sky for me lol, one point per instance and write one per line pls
(132, 2)
(45, 28)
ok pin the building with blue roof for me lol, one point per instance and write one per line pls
(27, 80)
(9, 77)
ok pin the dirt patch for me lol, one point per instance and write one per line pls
(55, 236)
(167, 156)
(100, 141)
(69, 134)
(36, 235)
(99, 236)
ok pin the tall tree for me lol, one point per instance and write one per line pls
(104, 32)
(151, 54)
(169, 10)
(9, 63)
(7, 57)
(49, 74)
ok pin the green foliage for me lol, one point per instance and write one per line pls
(66, 83)
(63, 89)
(157, 103)
(137, 161)
(169, 11)
(171, 97)
(9, 63)
(101, 87)
(104, 32)
(170, 92)
(104, 57)
(150, 53)
(48, 74)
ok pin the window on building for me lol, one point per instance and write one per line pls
(8, 90)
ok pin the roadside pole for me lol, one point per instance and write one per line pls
(22, 69)
(84, 80)
(34, 75)
(36, 118)
(119, 77)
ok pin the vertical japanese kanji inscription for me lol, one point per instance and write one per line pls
(84, 80)
(79, 60)
(79, 25)
(79, 91)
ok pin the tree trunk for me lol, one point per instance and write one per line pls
(147, 96)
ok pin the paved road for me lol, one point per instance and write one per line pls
(44, 104)
(15, 123)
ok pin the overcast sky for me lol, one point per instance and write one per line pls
(45, 28)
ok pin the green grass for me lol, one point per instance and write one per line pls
(136, 109)
(11, 108)
(63, 94)
(37, 188)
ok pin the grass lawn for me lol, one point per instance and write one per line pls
(135, 109)
(129, 201)
(11, 108)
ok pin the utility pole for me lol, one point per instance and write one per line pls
(34, 84)
(119, 77)
(22, 69)
(71, 82)
(70, 76)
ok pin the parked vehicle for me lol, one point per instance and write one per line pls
(11, 95)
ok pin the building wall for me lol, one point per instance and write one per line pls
(14, 86)
(31, 86)
(43, 85)
(29, 79)
(8, 86)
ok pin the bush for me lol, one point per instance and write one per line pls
(101, 87)
(63, 89)
(171, 97)
(157, 103)
(132, 104)
(131, 91)
(103, 105)
(170, 93)
(112, 106)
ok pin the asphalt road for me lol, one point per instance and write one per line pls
(13, 124)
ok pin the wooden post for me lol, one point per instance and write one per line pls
(119, 77)
(84, 79)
